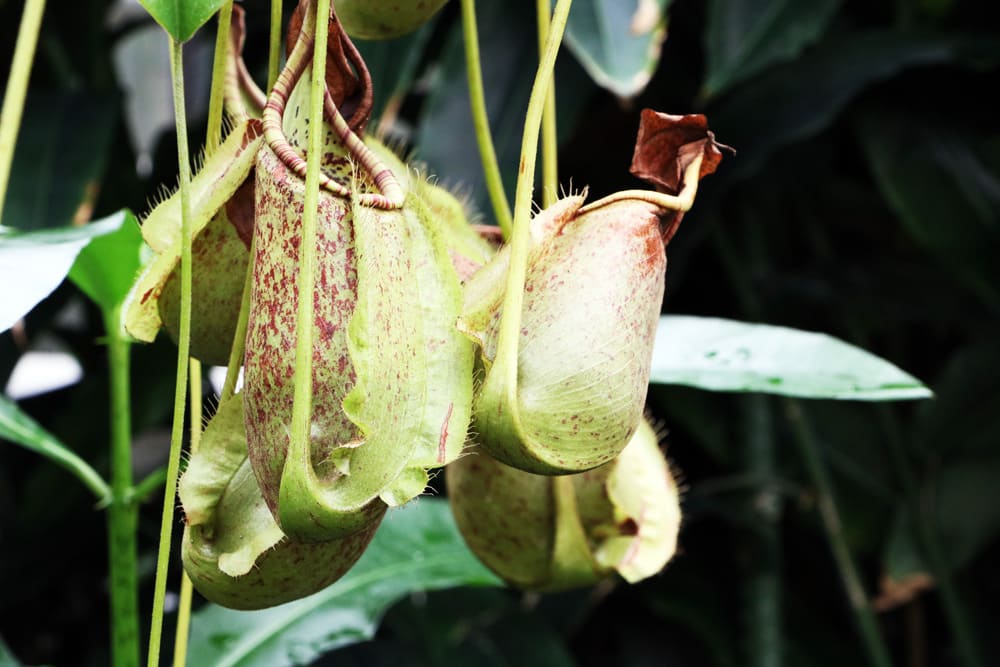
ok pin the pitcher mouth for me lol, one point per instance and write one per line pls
(389, 194)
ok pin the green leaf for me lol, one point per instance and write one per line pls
(963, 419)
(618, 43)
(418, 548)
(743, 37)
(799, 99)
(105, 269)
(7, 657)
(62, 149)
(937, 181)
(952, 502)
(32, 264)
(726, 355)
(181, 18)
(19, 428)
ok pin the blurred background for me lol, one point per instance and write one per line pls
(863, 201)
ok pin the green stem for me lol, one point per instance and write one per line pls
(481, 120)
(550, 144)
(763, 585)
(122, 513)
(274, 45)
(510, 322)
(17, 88)
(184, 601)
(302, 401)
(183, 349)
(213, 136)
(148, 484)
(878, 654)
(183, 621)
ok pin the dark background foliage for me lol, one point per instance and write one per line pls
(864, 201)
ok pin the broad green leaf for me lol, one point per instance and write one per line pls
(181, 18)
(7, 657)
(59, 161)
(418, 548)
(801, 98)
(617, 42)
(743, 37)
(964, 418)
(19, 428)
(963, 524)
(937, 181)
(435, 630)
(105, 269)
(726, 355)
(32, 264)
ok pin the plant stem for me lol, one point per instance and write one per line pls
(122, 513)
(17, 89)
(147, 485)
(302, 401)
(550, 144)
(183, 621)
(274, 45)
(183, 349)
(481, 120)
(510, 321)
(184, 600)
(763, 585)
(213, 135)
(878, 654)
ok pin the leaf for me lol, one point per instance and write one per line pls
(617, 42)
(181, 18)
(667, 144)
(32, 264)
(743, 37)
(19, 428)
(962, 524)
(964, 418)
(7, 657)
(797, 100)
(726, 355)
(470, 626)
(106, 267)
(418, 548)
(57, 168)
(939, 184)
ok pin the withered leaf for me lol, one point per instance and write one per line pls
(667, 144)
